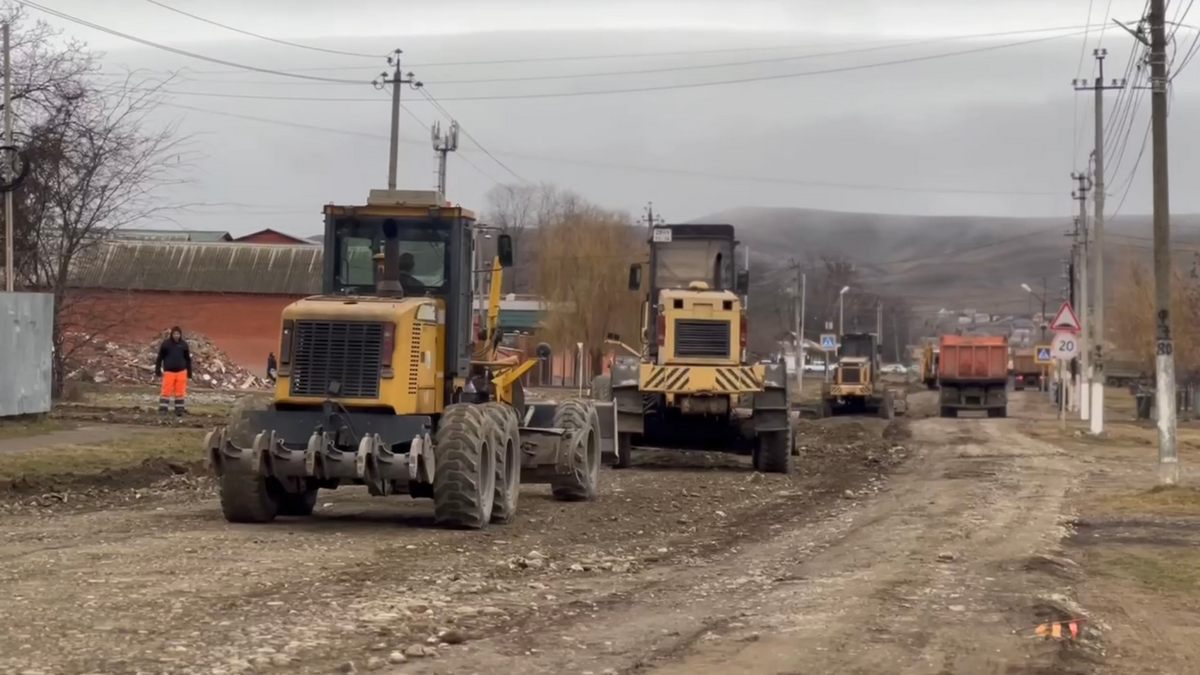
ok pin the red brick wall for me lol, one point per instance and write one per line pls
(246, 326)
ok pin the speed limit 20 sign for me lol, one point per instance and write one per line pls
(1065, 346)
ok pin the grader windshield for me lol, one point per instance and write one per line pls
(424, 262)
(693, 253)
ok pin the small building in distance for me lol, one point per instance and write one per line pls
(269, 236)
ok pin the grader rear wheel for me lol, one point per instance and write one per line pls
(464, 479)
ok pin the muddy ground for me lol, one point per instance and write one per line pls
(921, 546)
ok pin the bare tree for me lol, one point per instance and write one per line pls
(583, 257)
(1132, 310)
(97, 163)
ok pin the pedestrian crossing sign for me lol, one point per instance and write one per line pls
(1044, 354)
(828, 342)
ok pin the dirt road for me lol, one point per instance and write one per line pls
(866, 560)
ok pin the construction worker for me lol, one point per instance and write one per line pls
(174, 366)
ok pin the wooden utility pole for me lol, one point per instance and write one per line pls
(10, 272)
(1164, 346)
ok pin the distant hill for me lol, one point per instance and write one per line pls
(939, 261)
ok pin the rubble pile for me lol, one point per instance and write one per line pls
(108, 362)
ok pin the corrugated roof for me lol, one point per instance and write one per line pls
(213, 268)
(199, 236)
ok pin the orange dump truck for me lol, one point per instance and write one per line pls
(973, 374)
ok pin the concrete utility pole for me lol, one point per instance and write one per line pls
(1096, 396)
(1085, 371)
(10, 274)
(443, 146)
(800, 299)
(842, 314)
(396, 80)
(1164, 346)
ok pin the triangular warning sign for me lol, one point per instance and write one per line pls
(1065, 321)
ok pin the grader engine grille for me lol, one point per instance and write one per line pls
(851, 375)
(345, 351)
(697, 337)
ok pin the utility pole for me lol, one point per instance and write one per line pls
(397, 79)
(10, 274)
(1164, 346)
(1096, 397)
(798, 305)
(1085, 372)
(443, 146)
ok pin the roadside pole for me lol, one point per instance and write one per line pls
(1085, 372)
(10, 274)
(800, 335)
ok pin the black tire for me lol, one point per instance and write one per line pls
(774, 452)
(506, 441)
(298, 503)
(948, 412)
(464, 476)
(624, 451)
(887, 406)
(248, 497)
(602, 388)
(579, 419)
(997, 412)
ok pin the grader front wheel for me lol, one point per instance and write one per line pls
(464, 479)
(506, 444)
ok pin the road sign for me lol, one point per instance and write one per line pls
(828, 342)
(1065, 346)
(1065, 321)
(1044, 354)
(661, 235)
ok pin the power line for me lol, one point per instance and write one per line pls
(774, 179)
(175, 50)
(259, 35)
(471, 164)
(663, 87)
(465, 132)
(686, 52)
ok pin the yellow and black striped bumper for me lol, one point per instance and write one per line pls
(701, 379)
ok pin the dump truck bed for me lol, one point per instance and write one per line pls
(973, 358)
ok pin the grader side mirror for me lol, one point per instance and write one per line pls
(504, 250)
(635, 277)
(743, 282)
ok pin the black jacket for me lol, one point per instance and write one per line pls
(173, 357)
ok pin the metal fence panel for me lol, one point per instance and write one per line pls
(26, 325)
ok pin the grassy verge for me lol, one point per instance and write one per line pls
(131, 451)
(1158, 501)
(1176, 571)
(36, 425)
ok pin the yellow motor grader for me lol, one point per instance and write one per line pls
(691, 385)
(384, 382)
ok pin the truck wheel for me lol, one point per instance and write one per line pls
(507, 443)
(948, 412)
(774, 452)
(624, 451)
(298, 503)
(997, 412)
(602, 388)
(581, 422)
(248, 497)
(464, 476)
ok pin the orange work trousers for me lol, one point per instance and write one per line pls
(174, 386)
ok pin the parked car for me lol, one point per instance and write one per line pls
(814, 367)
(893, 369)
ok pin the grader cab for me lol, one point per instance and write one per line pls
(383, 382)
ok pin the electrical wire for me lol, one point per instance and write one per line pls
(664, 87)
(181, 52)
(468, 161)
(429, 97)
(772, 179)
(260, 36)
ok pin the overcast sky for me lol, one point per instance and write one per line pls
(982, 131)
